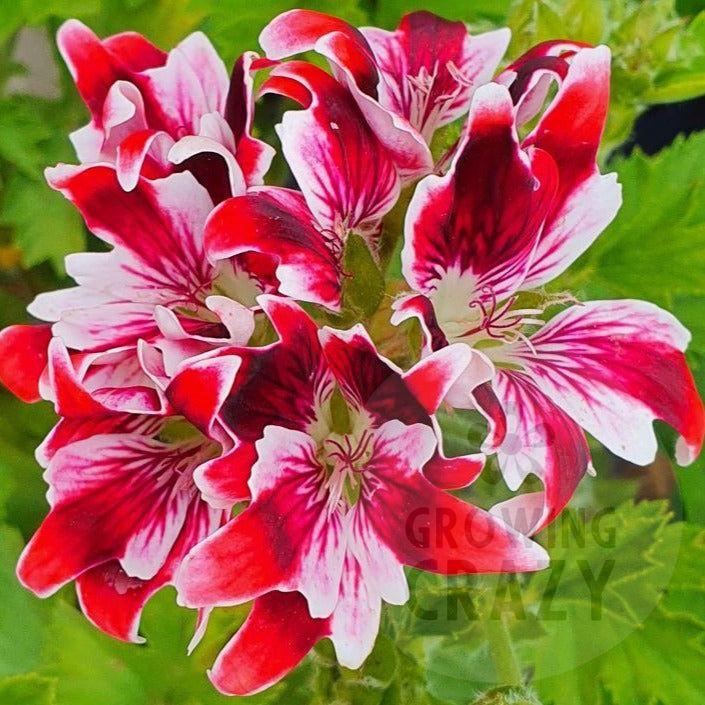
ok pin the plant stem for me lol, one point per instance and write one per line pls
(502, 651)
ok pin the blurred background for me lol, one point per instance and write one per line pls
(619, 619)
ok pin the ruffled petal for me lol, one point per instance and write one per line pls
(253, 156)
(570, 131)
(114, 601)
(276, 222)
(285, 540)
(540, 439)
(158, 257)
(430, 529)
(298, 31)
(614, 367)
(478, 225)
(431, 66)
(112, 497)
(345, 173)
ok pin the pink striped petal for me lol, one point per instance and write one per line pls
(478, 225)
(277, 223)
(542, 440)
(404, 144)
(158, 257)
(113, 497)
(298, 31)
(614, 367)
(93, 385)
(345, 173)
(253, 156)
(570, 131)
(430, 67)
(68, 430)
(96, 65)
(429, 529)
(285, 539)
(355, 623)
(113, 600)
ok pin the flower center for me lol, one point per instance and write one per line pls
(425, 109)
(344, 458)
(487, 322)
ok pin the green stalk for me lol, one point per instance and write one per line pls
(502, 651)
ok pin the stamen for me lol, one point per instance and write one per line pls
(346, 477)
(500, 321)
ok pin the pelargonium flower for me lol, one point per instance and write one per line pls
(124, 508)
(154, 113)
(407, 83)
(341, 498)
(348, 182)
(510, 216)
(156, 285)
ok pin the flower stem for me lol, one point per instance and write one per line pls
(502, 651)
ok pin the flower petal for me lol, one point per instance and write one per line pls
(614, 367)
(253, 156)
(355, 623)
(345, 173)
(274, 639)
(285, 540)
(298, 31)
(478, 225)
(113, 600)
(368, 380)
(542, 440)
(96, 65)
(422, 61)
(430, 529)
(23, 359)
(277, 223)
(112, 497)
(570, 131)
(158, 257)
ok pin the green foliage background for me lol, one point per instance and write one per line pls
(617, 620)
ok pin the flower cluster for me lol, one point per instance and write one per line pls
(216, 435)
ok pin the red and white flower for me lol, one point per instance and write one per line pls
(124, 512)
(347, 178)
(340, 500)
(155, 113)
(407, 83)
(507, 217)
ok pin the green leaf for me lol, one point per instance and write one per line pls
(29, 689)
(662, 662)
(93, 668)
(611, 575)
(363, 288)
(46, 225)
(22, 617)
(655, 247)
(21, 135)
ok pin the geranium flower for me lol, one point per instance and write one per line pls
(348, 182)
(154, 113)
(508, 217)
(340, 499)
(124, 509)
(407, 83)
